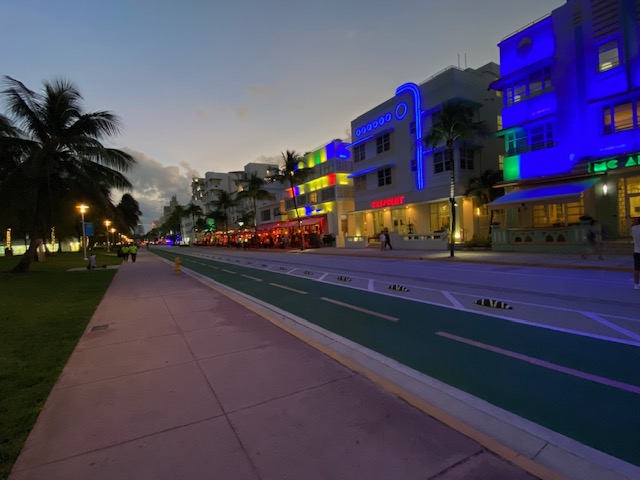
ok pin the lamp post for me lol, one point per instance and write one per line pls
(83, 208)
(107, 223)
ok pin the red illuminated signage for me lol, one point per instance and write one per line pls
(388, 202)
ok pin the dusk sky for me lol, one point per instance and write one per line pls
(209, 85)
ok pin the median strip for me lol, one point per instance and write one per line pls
(543, 363)
(288, 288)
(363, 310)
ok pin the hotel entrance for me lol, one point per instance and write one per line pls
(628, 203)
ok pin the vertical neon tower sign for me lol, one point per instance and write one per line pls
(417, 108)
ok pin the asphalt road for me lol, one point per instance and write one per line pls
(556, 347)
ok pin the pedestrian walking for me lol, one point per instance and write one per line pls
(387, 239)
(133, 251)
(125, 253)
(594, 240)
(635, 233)
(383, 240)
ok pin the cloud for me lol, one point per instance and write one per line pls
(241, 111)
(154, 184)
(260, 92)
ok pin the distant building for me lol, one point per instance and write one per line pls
(570, 83)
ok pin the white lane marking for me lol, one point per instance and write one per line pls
(606, 323)
(252, 278)
(288, 288)
(370, 285)
(228, 271)
(543, 363)
(496, 315)
(363, 310)
(454, 301)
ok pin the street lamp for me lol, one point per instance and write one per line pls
(83, 208)
(107, 223)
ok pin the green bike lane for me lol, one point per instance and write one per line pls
(584, 388)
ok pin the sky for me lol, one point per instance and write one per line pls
(211, 85)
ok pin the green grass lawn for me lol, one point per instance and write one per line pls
(43, 313)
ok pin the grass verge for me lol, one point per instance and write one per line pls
(43, 313)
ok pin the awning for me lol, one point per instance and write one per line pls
(551, 193)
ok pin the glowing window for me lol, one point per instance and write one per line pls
(620, 117)
(608, 56)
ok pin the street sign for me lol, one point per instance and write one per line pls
(88, 229)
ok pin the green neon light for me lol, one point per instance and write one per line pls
(511, 168)
(607, 164)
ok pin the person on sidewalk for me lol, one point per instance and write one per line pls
(635, 233)
(133, 251)
(383, 240)
(387, 238)
(594, 240)
(125, 253)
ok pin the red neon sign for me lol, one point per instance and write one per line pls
(388, 202)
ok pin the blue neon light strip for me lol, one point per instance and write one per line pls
(417, 108)
(362, 172)
(360, 141)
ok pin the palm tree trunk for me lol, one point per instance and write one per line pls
(452, 199)
(28, 257)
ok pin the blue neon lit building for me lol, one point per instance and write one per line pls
(401, 185)
(570, 85)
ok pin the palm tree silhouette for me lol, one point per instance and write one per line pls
(52, 154)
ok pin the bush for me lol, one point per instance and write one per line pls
(477, 241)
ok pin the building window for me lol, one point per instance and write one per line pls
(441, 161)
(439, 216)
(265, 215)
(383, 143)
(412, 128)
(466, 158)
(541, 136)
(276, 212)
(384, 177)
(608, 56)
(535, 84)
(358, 153)
(313, 197)
(620, 117)
(360, 183)
(414, 165)
(535, 138)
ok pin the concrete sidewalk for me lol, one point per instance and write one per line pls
(174, 380)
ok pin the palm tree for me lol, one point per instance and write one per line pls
(482, 187)
(173, 223)
(255, 192)
(55, 156)
(455, 124)
(193, 211)
(293, 174)
(128, 213)
(224, 203)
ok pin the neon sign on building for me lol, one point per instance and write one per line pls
(388, 202)
(614, 163)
